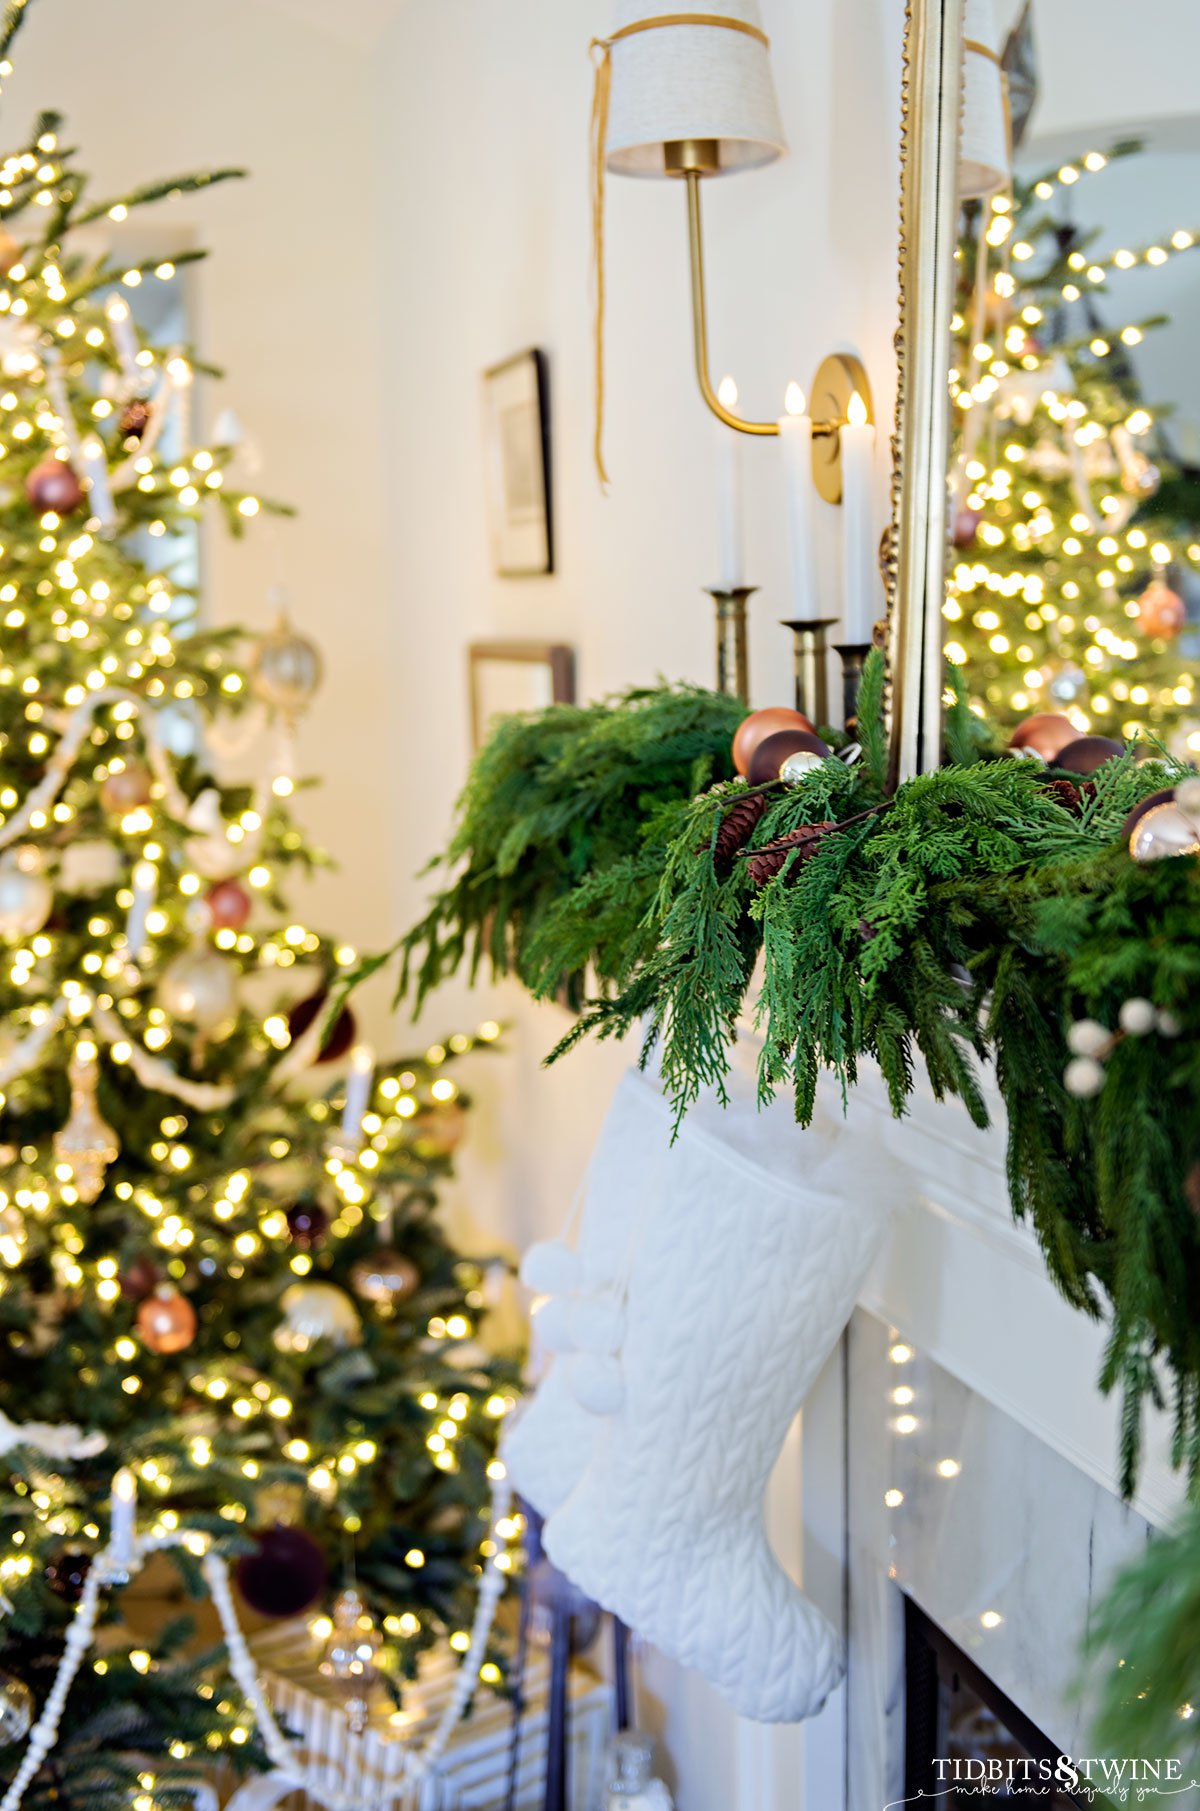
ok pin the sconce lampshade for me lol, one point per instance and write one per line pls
(985, 154)
(675, 82)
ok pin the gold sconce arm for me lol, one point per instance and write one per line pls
(838, 378)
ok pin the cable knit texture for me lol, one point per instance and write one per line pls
(749, 1256)
(548, 1445)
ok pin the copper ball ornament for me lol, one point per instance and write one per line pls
(285, 1575)
(438, 1131)
(126, 789)
(10, 252)
(1161, 611)
(966, 526)
(1046, 734)
(386, 1276)
(774, 750)
(307, 1223)
(758, 726)
(1087, 753)
(54, 487)
(229, 905)
(339, 1037)
(166, 1321)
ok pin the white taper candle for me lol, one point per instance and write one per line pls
(861, 583)
(358, 1092)
(124, 1517)
(795, 438)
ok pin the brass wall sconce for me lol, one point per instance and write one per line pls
(689, 95)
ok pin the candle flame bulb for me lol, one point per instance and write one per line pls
(727, 393)
(794, 400)
(856, 411)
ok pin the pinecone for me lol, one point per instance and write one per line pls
(766, 864)
(1065, 794)
(737, 825)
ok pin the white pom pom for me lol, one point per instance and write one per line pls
(596, 1383)
(550, 1268)
(1083, 1077)
(1137, 1017)
(552, 1324)
(1169, 1025)
(1087, 1038)
(1187, 795)
(597, 1323)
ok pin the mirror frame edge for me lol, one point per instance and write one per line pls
(931, 109)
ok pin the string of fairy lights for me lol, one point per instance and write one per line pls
(1002, 373)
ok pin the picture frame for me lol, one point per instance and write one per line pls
(516, 425)
(509, 676)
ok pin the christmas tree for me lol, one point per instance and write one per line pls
(221, 1278)
(1073, 528)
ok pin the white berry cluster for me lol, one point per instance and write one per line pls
(1090, 1043)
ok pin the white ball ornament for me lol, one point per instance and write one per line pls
(1088, 1038)
(552, 1324)
(1137, 1017)
(26, 897)
(797, 767)
(550, 1268)
(595, 1382)
(1164, 831)
(200, 987)
(1169, 1025)
(314, 1311)
(1083, 1077)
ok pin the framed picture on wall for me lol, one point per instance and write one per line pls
(517, 451)
(510, 676)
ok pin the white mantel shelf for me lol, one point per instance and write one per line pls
(966, 1284)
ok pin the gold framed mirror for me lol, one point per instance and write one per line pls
(1046, 526)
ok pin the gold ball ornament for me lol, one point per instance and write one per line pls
(26, 896)
(286, 669)
(17, 1708)
(126, 789)
(10, 252)
(200, 988)
(316, 1311)
(166, 1321)
(387, 1276)
(758, 726)
(1161, 611)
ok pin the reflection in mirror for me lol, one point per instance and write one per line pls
(1074, 594)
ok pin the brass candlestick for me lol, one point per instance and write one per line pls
(852, 655)
(812, 682)
(733, 673)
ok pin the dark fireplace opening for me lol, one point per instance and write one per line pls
(965, 1742)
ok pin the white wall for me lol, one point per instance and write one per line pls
(486, 239)
(289, 305)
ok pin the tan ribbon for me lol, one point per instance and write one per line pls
(601, 97)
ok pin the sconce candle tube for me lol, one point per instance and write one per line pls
(730, 502)
(359, 1084)
(123, 1532)
(860, 574)
(795, 437)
